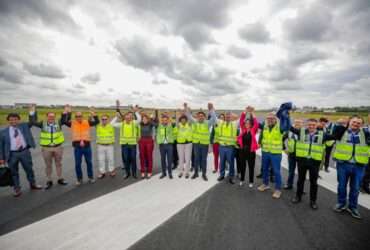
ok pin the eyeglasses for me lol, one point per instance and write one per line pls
(78, 116)
(104, 119)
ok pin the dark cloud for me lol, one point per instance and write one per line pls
(197, 36)
(239, 52)
(42, 70)
(305, 55)
(50, 13)
(10, 73)
(92, 78)
(255, 32)
(311, 24)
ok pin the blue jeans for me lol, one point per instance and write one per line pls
(25, 159)
(348, 171)
(200, 157)
(86, 152)
(166, 151)
(128, 153)
(292, 163)
(227, 153)
(275, 161)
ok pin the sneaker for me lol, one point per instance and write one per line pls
(296, 200)
(62, 182)
(259, 176)
(339, 208)
(220, 178)
(17, 192)
(263, 188)
(91, 180)
(162, 176)
(276, 194)
(194, 176)
(204, 177)
(170, 176)
(187, 176)
(78, 182)
(101, 176)
(48, 185)
(250, 185)
(35, 187)
(354, 213)
(231, 181)
(288, 187)
(313, 205)
(180, 175)
(240, 183)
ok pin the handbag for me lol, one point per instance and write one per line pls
(5, 176)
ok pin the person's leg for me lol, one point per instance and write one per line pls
(175, 158)
(89, 164)
(47, 156)
(26, 161)
(110, 157)
(355, 181)
(197, 158)
(302, 170)
(133, 152)
(276, 166)
(238, 161)
(365, 184)
(203, 162)
(181, 154)
(58, 157)
(292, 165)
(266, 159)
(101, 158)
(342, 177)
(188, 150)
(327, 157)
(314, 175)
(162, 151)
(170, 160)
(13, 164)
(142, 154)
(243, 154)
(251, 158)
(216, 154)
(149, 158)
(126, 159)
(222, 161)
(78, 162)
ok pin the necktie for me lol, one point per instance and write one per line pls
(18, 141)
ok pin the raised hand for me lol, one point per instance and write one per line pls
(92, 111)
(210, 106)
(118, 104)
(135, 108)
(32, 108)
(67, 109)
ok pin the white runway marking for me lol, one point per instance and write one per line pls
(113, 221)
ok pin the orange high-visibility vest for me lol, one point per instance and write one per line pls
(80, 131)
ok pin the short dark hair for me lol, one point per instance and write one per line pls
(183, 117)
(13, 115)
(357, 116)
(323, 119)
(201, 112)
(311, 120)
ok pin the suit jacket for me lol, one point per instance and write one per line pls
(5, 140)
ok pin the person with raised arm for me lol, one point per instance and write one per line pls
(81, 140)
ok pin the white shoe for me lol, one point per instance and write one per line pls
(250, 185)
(263, 188)
(241, 183)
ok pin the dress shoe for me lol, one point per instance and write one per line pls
(180, 175)
(221, 178)
(91, 180)
(354, 213)
(365, 190)
(162, 176)
(48, 185)
(231, 181)
(313, 205)
(62, 182)
(187, 176)
(204, 177)
(127, 176)
(259, 176)
(296, 200)
(194, 176)
(170, 176)
(35, 187)
(288, 187)
(101, 176)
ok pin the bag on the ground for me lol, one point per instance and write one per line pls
(5, 177)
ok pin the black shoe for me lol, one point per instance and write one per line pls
(327, 170)
(259, 176)
(214, 171)
(296, 200)
(162, 176)
(288, 187)
(313, 205)
(204, 177)
(191, 169)
(365, 190)
(231, 181)
(62, 182)
(195, 176)
(340, 208)
(221, 178)
(127, 176)
(49, 184)
(170, 176)
(134, 176)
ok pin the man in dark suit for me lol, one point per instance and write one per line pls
(15, 142)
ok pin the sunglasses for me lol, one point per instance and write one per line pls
(78, 116)
(104, 119)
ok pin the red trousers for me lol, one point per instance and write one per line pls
(216, 153)
(146, 146)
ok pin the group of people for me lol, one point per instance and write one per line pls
(232, 138)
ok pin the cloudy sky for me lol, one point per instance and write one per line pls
(164, 52)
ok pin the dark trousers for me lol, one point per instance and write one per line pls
(238, 160)
(292, 163)
(129, 158)
(25, 159)
(327, 156)
(313, 168)
(245, 156)
(175, 155)
(200, 155)
(166, 151)
(193, 158)
(85, 152)
(366, 178)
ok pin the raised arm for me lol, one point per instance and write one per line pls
(32, 117)
(188, 113)
(114, 122)
(213, 117)
(67, 116)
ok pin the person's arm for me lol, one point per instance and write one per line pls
(115, 123)
(255, 125)
(213, 119)
(32, 120)
(67, 116)
(2, 153)
(94, 119)
(294, 130)
(188, 113)
(118, 108)
(155, 120)
(338, 132)
(138, 117)
(242, 119)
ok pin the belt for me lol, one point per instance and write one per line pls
(102, 144)
(52, 146)
(18, 151)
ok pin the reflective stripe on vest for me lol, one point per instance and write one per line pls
(80, 131)
(165, 132)
(183, 133)
(49, 139)
(201, 133)
(345, 151)
(129, 133)
(306, 149)
(291, 142)
(272, 141)
(227, 134)
(105, 134)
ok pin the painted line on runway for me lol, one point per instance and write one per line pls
(114, 221)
